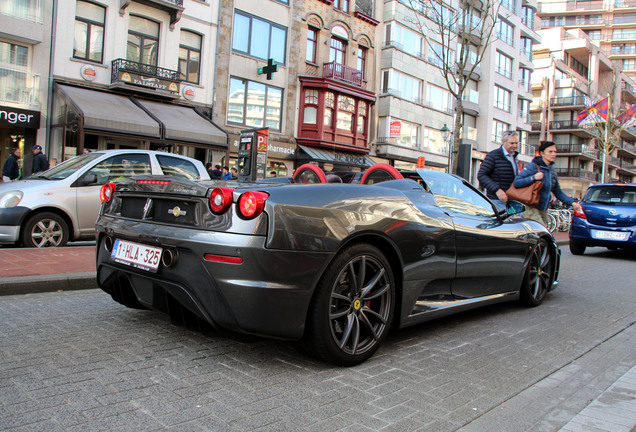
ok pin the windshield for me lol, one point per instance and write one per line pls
(66, 168)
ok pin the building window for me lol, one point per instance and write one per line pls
(312, 44)
(14, 55)
(310, 113)
(189, 56)
(362, 117)
(498, 128)
(259, 38)
(438, 98)
(143, 41)
(341, 5)
(409, 134)
(525, 79)
(362, 59)
(502, 98)
(433, 141)
(401, 85)
(254, 104)
(329, 106)
(504, 65)
(337, 51)
(88, 42)
(404, 39)
(441, 14)
(346, 110)
(505, 32)
(629, 64)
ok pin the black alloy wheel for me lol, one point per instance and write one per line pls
(539, 275)
(353, 308)
(45, 230)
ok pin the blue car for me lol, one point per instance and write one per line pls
(607, 218)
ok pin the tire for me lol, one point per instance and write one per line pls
(45, 230)
(539, 275)
(577, 248)
(352, 308)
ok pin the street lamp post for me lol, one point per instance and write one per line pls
(446, 136)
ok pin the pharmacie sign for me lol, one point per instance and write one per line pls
(10, 116)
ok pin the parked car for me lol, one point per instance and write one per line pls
(333, 265)
(61, 204)
(607, 218)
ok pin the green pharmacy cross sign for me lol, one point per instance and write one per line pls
(269, 69)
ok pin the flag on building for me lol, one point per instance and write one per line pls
(627, 115)
(596, 113)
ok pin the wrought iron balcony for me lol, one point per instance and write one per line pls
(19, 86)
(144, 69)
(579, 173)
(580, 149)
(536, 126)
(342, 72)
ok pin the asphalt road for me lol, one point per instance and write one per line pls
(78, 361)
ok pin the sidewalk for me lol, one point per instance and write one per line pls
(30, 270)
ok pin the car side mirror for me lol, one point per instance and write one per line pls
(514, 207)
(88, 179)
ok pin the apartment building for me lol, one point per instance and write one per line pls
(337, 79)
(571, 73)
(610, 24)
(25, 45)
(415, 104)
(135, 74)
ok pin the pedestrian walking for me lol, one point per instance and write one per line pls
(40, 162)
(11, 169)
(541, 169)
(499, 168)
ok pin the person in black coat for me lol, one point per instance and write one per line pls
(11, 169)
(40, 162)
(499, 168)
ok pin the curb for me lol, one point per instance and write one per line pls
(12, 285)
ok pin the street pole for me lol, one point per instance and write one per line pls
(604, 160)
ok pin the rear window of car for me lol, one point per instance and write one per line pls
(178, 167)
(611, 195)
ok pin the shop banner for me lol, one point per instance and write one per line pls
(16, 117)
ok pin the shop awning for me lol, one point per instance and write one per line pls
(336, 156)
(108, 112)
(184, 123)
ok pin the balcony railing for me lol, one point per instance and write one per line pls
(578, 172)
(627, 146)
(342, 72)
(536, 126)
(628, 166)
(30, 10)
(566, 6)
(568, 101)
(525, 116)
(19, 86)
(527, 149)
(578, 149)
(564, 124)
(614, 161)
(131, 66)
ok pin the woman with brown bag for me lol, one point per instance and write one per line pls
(541, 169)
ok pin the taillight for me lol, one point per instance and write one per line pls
(106, 192)
(154, 182)
(251, 204)
(221, 199)
(578, 212)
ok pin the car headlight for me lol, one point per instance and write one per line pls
(10, 199)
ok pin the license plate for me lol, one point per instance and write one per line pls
(136, 255)
(610, 235)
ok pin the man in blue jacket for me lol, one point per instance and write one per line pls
(11, 169)
(40, 162)
(499, 168)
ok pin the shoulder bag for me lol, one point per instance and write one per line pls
(528, 195)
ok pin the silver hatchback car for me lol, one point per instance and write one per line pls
(50, 208)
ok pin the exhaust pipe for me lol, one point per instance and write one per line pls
(169, 258)
(108, 244)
